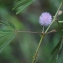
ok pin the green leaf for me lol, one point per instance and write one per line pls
(6, 34)
(56, 50)
(8, 24)
(1, 22)
(9, 38)
(24, 6)
(17, 0)
(57, 46)
(4, 38)
(11, 25)
(53, 60)
(2, 35)
(5, 31)
(21, 3)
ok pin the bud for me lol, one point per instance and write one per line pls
(60, 12)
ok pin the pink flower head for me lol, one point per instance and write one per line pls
(45, 19)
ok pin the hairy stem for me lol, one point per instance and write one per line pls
(54, 17)
(35, 56)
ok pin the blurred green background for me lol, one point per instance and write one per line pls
(22, 48)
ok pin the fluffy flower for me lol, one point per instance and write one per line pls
(45, 19)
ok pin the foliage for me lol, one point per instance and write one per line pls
(18, 46)
(7, 34)
(22, 4)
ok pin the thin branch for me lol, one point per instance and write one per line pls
(54, 17)
(19, 31)
(29, 32)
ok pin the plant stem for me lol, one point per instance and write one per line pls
(54, 17)
(35, 56)
(29, 32)
(36, 53)
(43, 29)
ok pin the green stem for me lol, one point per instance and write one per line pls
(35, 56)
(43, 29)
(54, 17)
(36, 53)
